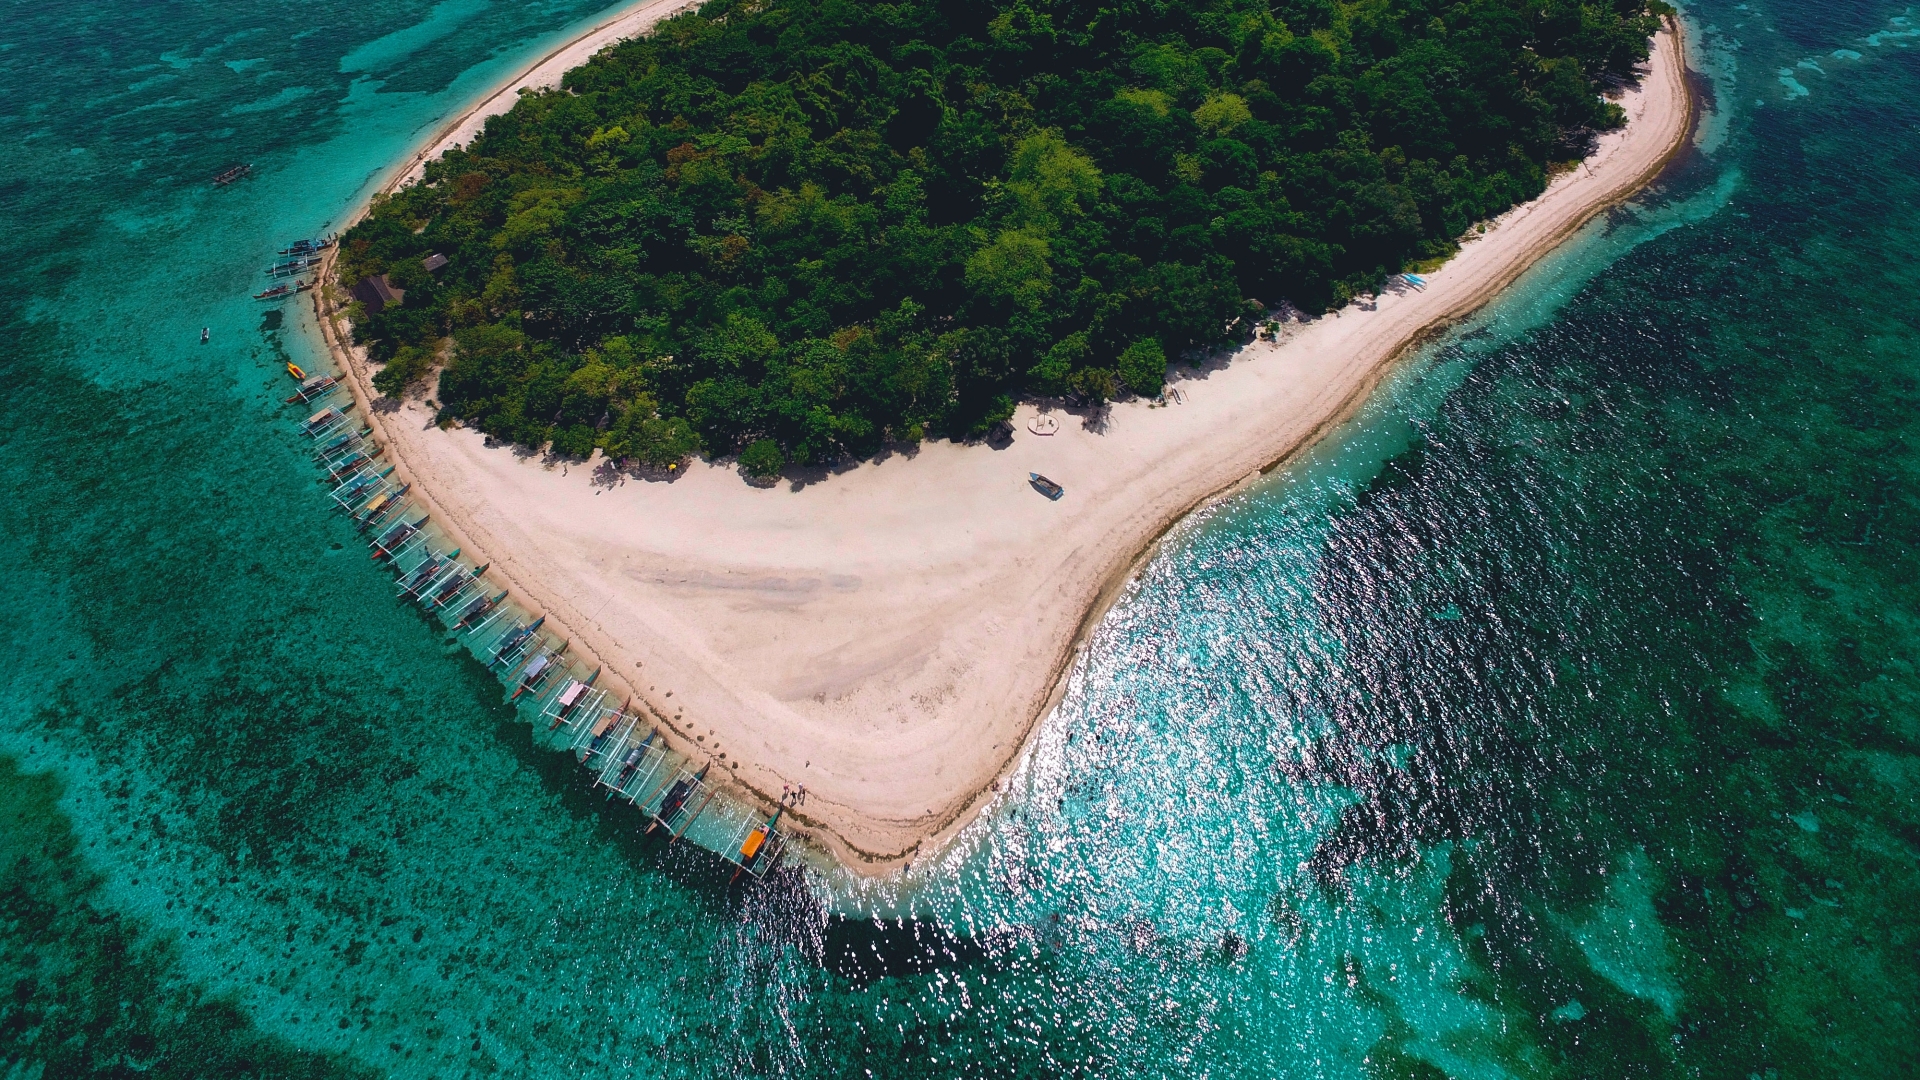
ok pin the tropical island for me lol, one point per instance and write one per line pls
(754, 258)
(802, 230)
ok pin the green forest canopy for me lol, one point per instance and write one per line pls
(809, 227)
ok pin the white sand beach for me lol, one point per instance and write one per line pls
(543, 74)
(888, 635)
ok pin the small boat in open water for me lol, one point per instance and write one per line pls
(229, 175)
(274, 293)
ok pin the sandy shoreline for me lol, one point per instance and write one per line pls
(542, 74)
(890, 634)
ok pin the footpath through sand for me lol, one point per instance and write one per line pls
(889, 634)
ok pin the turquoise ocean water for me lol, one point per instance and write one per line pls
(1557, 718)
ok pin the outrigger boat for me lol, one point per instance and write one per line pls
(306, 247)
(340, 442)
(228, 176)
(425, 572)
(366, 449)
(313, 388)
(513, 640)
(755, 844)
(343, 469)
(353, 488)
(629, 761)
(428, 567)
(537, 670)
(449, 570)
(479, 608)
(602, 728)
(454, 584)
(358, 487)
(383, 548)
(274, 293)
(353, 445)
(378, 506)
(573, 695)
(676, 800)
(360, 482)
(318, 421)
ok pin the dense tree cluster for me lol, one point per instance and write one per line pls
(801, 228)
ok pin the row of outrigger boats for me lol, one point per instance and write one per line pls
(623, 752)
(616, 743)
(298, 258)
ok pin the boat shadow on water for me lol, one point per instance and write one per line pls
(783, 903)
(863, 951)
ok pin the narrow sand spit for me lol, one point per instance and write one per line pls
(889, 635)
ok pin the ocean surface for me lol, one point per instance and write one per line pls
(1556, 718)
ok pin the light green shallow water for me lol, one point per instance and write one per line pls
(1558, 718)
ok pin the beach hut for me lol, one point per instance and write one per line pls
(376, 293)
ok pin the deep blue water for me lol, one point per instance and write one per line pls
(1558, 717)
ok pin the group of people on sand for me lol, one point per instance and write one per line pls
(793, 796)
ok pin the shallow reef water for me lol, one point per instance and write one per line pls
(1557, 717)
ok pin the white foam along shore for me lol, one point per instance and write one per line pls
(889, 635)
